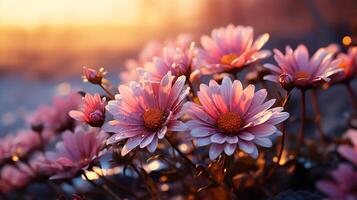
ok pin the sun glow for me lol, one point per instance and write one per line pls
(39, 12)
(35, 13)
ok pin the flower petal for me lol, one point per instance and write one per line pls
(215, 150)
(230, 148)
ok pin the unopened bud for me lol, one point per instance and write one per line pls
(93, 76)
(286, 81)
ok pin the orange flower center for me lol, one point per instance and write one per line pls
(345, 66)
(229, 123)
(302, 75)
(153, 119)
(229, 58)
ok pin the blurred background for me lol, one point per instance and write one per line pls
(44, 44)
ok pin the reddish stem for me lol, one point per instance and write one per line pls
(302, 124)
(107, 91)
(283, 130)
(205, 173)
(316, 108)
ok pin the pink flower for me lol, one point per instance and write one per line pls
(76, 151)
(37, 119)
(130, 73)
(296, 69)
(6, 148)
(15, 176)
(347, 151)
(25, 142)
(50, 120)
(20, 145)
(343, 185)
(93, 76)
(348, 64)
(151, 50)
(41, 166)
(143, 113)
(57, 117)
(231, 48)
(229, 115)
(333, 48)
(178, 61)
(93, 110)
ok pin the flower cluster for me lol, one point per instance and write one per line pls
(55, 117)
(172, 118)
(344, 183)
(152, 50)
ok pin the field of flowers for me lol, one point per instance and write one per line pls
(206, 119)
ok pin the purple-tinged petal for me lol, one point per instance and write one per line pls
(215, 150)
(230, 148)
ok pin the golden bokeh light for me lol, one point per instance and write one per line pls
(15, 158)
(347, 40)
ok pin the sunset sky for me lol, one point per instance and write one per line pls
(45, 35)
(123, 12)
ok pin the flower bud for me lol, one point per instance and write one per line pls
(92, 112)
(286, 81)
(93, 76)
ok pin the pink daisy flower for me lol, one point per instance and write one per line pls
(92, 112)
(130, 73)
(15, 176)
(37, 119)
(25, 142)
(230, 115)
(296, 69)
(343, 185)
(143, 113)
(348, 64)
(58, 118)
(347, 151)
(75, 152)
(43, 167)
(6, 148)
(178, 61)
(55, 118)
(231, 48)
(151, 50)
